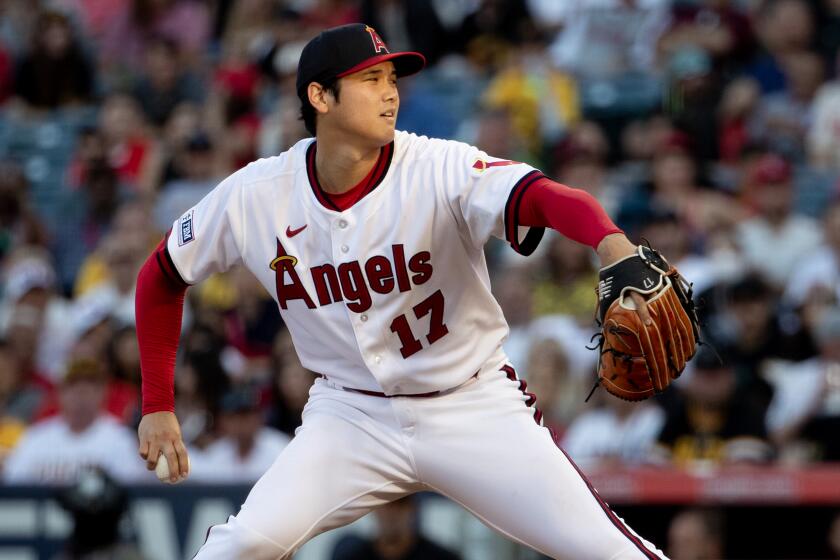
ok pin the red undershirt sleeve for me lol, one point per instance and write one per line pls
(159, 306)
(573, 212)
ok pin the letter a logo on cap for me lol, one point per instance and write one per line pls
(378, 43)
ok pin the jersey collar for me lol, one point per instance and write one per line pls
(380, 169)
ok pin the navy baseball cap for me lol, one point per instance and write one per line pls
(346, 49)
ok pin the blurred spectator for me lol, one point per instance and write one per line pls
(254, 21)
(19, 401)
(200, 382)
(823, 141)
(55, 72)
(320, 14)
(670, 236)
(98, 506)
(673, 186)
(134, 237)
(580, 161)
(86, 217)
(290, 385)
(59, 449)
(716, 27)
(603, 38)
(783, 27)
(200, 177)
(514, 291)
(708, 421)
(35, 319)
(542, 101)
(233, 116)
(165, 83)
(614, 432)
(186, 22)
(496, 136)
(93, 18)
(412, 25)
(775, 239)
(245, 448)
(783, 118)
(693, 91)
(751, 330)
(253, 323)
(90, 150)
(123, 398)
(397, 537)
(820, 269)
(806, 405)
(739, 100)
(567, 285)
(183, 123)
(639, 140)
(696, 534)
(491, 28)
(122, 253)
(282, 128)
(19, 224)
(131, 150)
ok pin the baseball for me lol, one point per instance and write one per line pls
(162, 470)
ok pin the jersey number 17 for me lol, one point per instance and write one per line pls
(437, 330)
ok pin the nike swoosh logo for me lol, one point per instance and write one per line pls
(292, 232)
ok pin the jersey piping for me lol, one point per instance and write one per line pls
(535, 234)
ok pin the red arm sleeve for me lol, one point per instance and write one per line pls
(159, 306)
(573, 212)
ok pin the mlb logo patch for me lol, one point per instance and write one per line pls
(186, 233)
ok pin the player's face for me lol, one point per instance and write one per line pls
(368, 105)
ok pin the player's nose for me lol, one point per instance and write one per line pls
(391, 94)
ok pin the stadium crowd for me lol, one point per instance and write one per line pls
(710, 128)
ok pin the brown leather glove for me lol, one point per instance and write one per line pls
(638, 360)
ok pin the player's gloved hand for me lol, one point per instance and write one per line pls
(160, 433)
(643, 346)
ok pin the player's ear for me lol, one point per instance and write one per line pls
(318, 97)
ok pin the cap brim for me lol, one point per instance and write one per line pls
(406, 63)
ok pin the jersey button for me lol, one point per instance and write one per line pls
(363, 318)
(377, 359)
(344, 248)
(342, 224)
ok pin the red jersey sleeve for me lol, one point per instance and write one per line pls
(573, 212)
(159, 306)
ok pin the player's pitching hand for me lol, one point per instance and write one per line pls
(160, 433)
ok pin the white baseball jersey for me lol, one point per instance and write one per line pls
(389, 295)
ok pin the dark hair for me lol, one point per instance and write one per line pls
(307, 111)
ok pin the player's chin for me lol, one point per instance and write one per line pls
(384, 133)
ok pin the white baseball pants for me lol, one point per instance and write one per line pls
(478, 444)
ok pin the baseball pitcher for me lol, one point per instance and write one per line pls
(371, 241)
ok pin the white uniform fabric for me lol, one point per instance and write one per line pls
(392, 295)
(477, 445)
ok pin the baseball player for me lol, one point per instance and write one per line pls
(371, 241)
